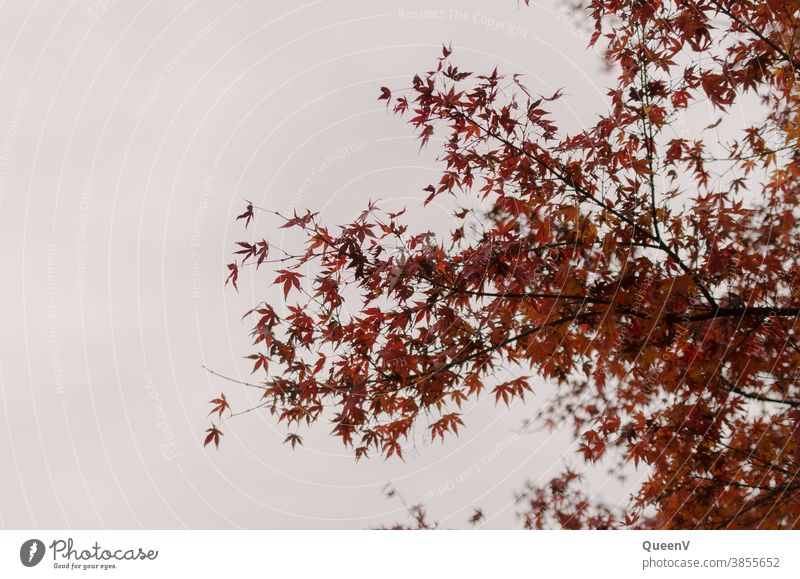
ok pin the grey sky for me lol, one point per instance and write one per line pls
(130, 133)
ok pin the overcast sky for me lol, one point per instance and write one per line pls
(130, 133)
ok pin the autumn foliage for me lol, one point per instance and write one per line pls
(650, 273)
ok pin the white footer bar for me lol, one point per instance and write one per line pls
(399, 554)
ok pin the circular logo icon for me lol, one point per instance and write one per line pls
(31, 552)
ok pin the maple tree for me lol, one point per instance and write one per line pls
(650, 274)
